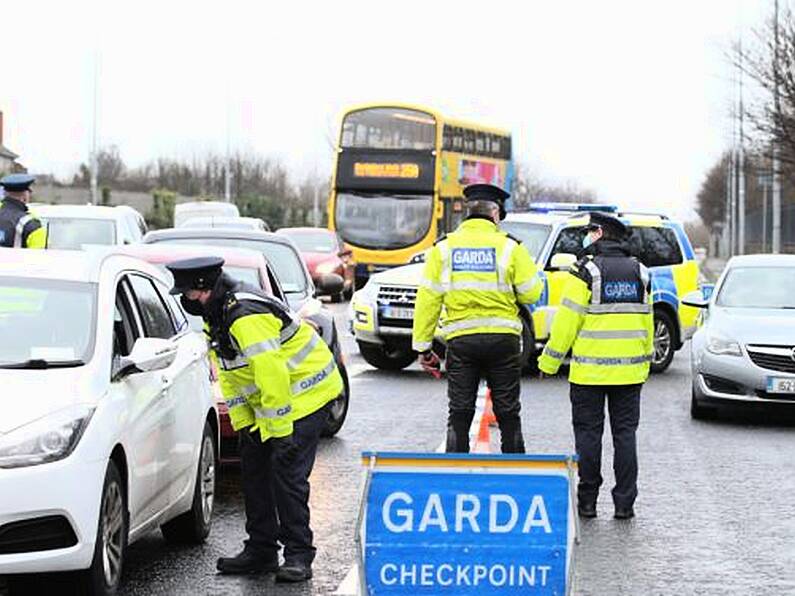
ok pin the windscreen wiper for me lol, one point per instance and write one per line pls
(41, 363)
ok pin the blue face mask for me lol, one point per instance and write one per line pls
(586, 241)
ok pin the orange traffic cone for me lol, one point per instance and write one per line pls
(483, 440)
(488, 412)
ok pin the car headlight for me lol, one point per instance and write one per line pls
(723, 346)
(326, 267)
(47, 439)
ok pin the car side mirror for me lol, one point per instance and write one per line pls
(696, 299)
(562, 261)
(330, 284)
(148, 354)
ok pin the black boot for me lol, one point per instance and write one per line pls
(586, 509)
(248, 561)
(457, 437)
(294, 572)
(511, 436)
(624, 513)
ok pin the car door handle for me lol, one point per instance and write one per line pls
(166, 382)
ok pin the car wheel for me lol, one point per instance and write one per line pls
(663, 353)
(336, 298)
(104, 575)
(348, 294)
(386, 358)
(699, 412)
(338, 409)
(193, 526)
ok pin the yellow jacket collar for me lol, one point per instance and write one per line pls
(477, 224)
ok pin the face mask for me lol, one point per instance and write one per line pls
(192, 307)
(586, 241)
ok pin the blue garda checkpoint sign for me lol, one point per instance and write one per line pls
(433, 523)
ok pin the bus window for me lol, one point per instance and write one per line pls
(389, 128)
(458, 139)
(447, 138)
(469, 141)
(496, 146)
(480, 143)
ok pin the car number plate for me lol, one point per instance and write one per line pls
(397, 312)
(779, 385)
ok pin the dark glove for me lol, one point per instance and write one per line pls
(431, 363)
(286, 449)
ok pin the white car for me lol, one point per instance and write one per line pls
(185, 211)
(223, 221)
(108, 428)
(69, 227)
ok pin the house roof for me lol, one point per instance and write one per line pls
(4, 152)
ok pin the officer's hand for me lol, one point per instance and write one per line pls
(286, 450)
(431, 363)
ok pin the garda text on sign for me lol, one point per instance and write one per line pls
(467, 524)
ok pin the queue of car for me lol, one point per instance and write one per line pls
(120, 410)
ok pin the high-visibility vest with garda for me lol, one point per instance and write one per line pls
(279, 370)
(479, 275)
(606, 320)
(19, 228)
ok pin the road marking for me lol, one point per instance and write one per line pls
(350, 584)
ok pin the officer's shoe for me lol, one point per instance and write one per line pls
(294, 572)
(624, 513)
(247, 561)
(586, 510)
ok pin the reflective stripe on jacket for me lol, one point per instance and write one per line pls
(606, 320)
(282, 370)
(479, 275)
(19, 228)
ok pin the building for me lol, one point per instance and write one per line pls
(8, 159)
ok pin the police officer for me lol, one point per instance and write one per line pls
(18, 227)
(277, 377)
(479, 274)
(606, 320)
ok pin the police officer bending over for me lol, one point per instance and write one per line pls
(606, 320)
(277, 377)
(478, 274)
(18, 227)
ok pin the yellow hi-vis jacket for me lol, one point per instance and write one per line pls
(480, 275)
(281, 371)
(19, 228)
(606, 319)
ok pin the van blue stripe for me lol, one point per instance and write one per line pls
(663, 288)
(683, 240)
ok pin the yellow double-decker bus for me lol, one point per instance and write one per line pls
(398, 179)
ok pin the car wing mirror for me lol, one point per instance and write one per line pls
(562, 261)
(330, 284)
(696, 299)
(148, 354)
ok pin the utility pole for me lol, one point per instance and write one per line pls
(776, 166)
(316, 206)
(227, 173)
(727, 228)
(741, 162)
(94, 163)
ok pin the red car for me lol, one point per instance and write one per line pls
(324, 253)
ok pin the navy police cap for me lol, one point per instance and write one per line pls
(485, 192)
(17, 182)
(199, 273)
(609, 223)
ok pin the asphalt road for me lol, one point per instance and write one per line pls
(715, 514)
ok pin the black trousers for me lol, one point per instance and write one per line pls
(588, 419)
(276, 489)
(495, 357)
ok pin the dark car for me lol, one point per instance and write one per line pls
(324, 253)
(292, 284)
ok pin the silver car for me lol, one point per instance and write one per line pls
(744, 350)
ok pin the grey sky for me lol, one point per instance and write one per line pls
(628, 98)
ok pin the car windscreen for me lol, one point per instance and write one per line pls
(758, 287)
(48, 321)
(532, 235)
(285, 261)
(383, 221)
(314, 241)
(71, 233)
